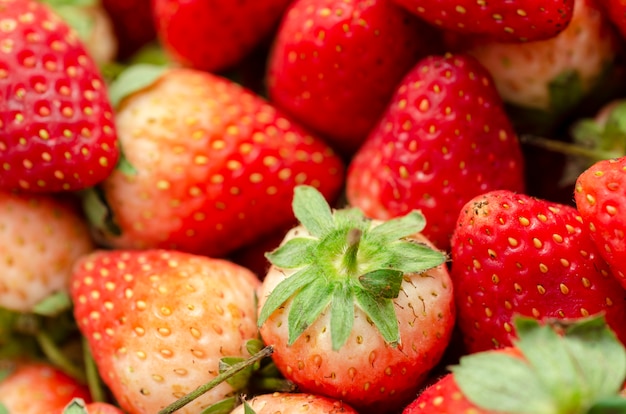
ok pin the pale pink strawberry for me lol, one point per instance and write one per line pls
(295, 403)
(41, 236)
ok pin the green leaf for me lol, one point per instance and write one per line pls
(4, 409)
(98, 212)
(240, 380)
(312, 210)
(76, 406)
(381, 312)
(297, 252)
(306, 307)
(503, 383)
(224, 406)
(78, 18)
(398, 228)
(124, 166)
(412, 257)
(53, 305)
(285, 290)
(247, 409)
(610, 405)
(566, 90)
(254, 345)
(383, 283)
(134, 78)
(341, 315)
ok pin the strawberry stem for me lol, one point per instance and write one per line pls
(54, 354)
(92, 376)
(350, 263)
(229, 373)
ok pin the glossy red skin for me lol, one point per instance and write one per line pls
(248, 202)
(600, 200)
(350, 57)
(540, 20)
(39, 387)
(421, 157)
(214, 35)
(57, 123)
(615, 11)
(515, 254)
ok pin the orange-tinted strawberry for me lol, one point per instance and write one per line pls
(158, 322)
(34, 387)
(213, 166)
(516, 254)
(56, 123)
(295, 403)
(443, 139)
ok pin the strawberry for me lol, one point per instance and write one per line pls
(599, 195)
(133, 24)
(516, 254)
(288, 403)
(213, 35)
(57, 122)
(511, 21)
(615, 10)
(580, 370)
(344, 57)
(558, 72)
(78, 406)
(41, 236)
(34, 387)
(158, 322)
(212, 166)
(443, 139)
(355, 309)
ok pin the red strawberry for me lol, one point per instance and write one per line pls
(444, 139)
(158, 322)
(558, 72)
(344, 57)
(133, 24)
(41, 237)
(576, 368)
(213, 166)
(32, 387)
(356, 310)
(214, 35)
(600, 200)
(512, 21)
(615, 10)
(56, 122)
(285, 403)
(515, 254)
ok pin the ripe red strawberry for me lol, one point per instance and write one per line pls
(443, 139)
(56, 122)
(615, 11)
(33, 387)
(41, 237)
(356, 310)
(345, 58)
(558, 72)
(512, 21)
(600, 200)
(213, 35)
(158, 322)
(576, 368)
(515, 254)
(213, 166)
(286, 403)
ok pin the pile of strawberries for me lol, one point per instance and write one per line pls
(340, 206)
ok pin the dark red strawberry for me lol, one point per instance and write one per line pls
(56, 122)
(443, 139)
(334, 64)
(214, 35)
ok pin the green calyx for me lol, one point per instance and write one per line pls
(345, 261)
(575, 367)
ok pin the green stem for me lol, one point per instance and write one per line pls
(349, 264)
(57, 358)
(93, 378)
(566, 147)
(229, 373)
(274, 384)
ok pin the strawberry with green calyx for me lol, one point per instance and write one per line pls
(292, 403)
(79, 406)
(356, 309)
(575, 366)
